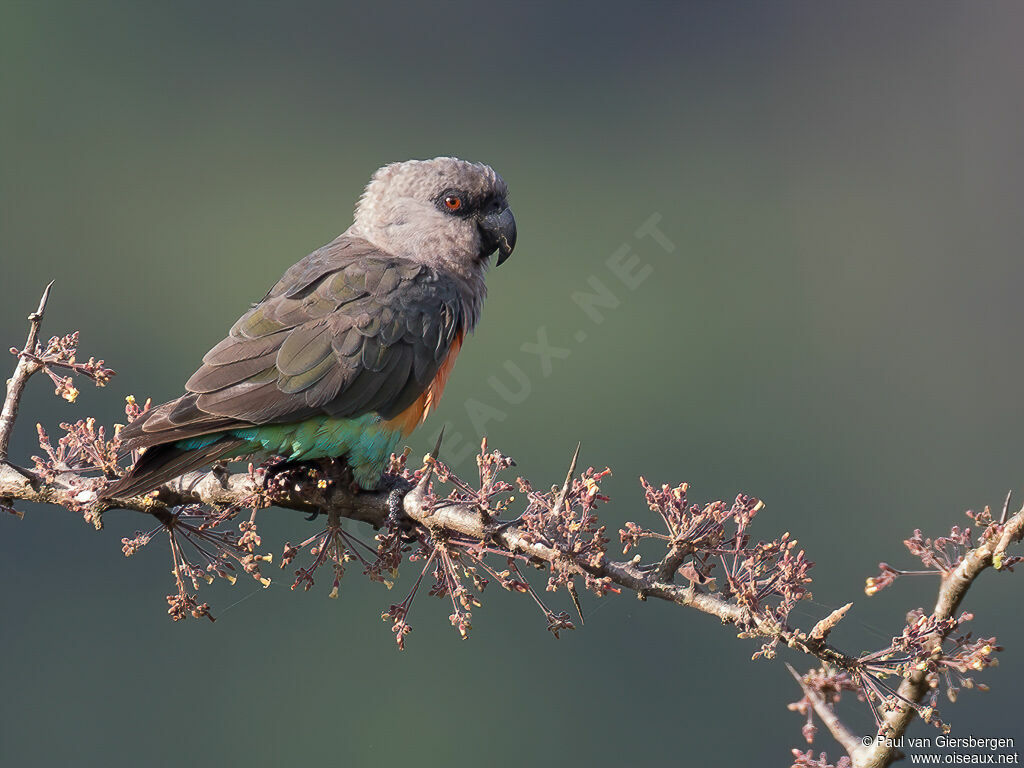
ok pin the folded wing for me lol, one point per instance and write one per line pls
(348, 330)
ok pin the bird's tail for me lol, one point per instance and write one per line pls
(161, 463)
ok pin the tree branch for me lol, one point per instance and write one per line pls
(242, 490)
(827, 715)
(762, 581)
(22, 372)
(952, 590)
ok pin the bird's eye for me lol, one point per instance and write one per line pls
(453, 203)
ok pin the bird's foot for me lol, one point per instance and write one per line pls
(219, 469)
(395, 497)
(279, 474)
(297, 475)
(397, 519)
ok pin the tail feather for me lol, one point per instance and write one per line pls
(162, 463)
(174, 420)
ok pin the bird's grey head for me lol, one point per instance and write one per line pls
(443, 211)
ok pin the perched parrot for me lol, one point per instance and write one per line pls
(351, 349)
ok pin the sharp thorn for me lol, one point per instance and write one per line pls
(575, 456)
(576, 601)
(38, 314)
(421, 486)
(437, 446)
(568, 479)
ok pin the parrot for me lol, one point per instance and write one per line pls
(351, 349)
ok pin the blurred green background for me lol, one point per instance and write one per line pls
(837, 331)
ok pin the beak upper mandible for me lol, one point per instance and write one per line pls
(499, 230)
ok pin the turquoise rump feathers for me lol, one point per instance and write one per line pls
(365, 440)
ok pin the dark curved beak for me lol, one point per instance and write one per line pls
(498, 229)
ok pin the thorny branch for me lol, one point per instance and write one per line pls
(22, 371)
(467, 539)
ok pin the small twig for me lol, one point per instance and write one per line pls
(952, 591)
(22, 372)
(820, 630)
(666, 569)
(827, 715)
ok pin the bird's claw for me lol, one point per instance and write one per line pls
(395, 497)
(329, 470)
(272, 472)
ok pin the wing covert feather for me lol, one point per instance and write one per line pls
(346, 331)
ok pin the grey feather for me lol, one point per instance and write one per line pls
(361, 325)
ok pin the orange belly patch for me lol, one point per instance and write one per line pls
(415, 414)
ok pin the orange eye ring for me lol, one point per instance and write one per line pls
(453, 203)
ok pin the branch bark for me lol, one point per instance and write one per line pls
(953, 589)
(827, 715)
(240, 489)
(22, 372)
(446, 518)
